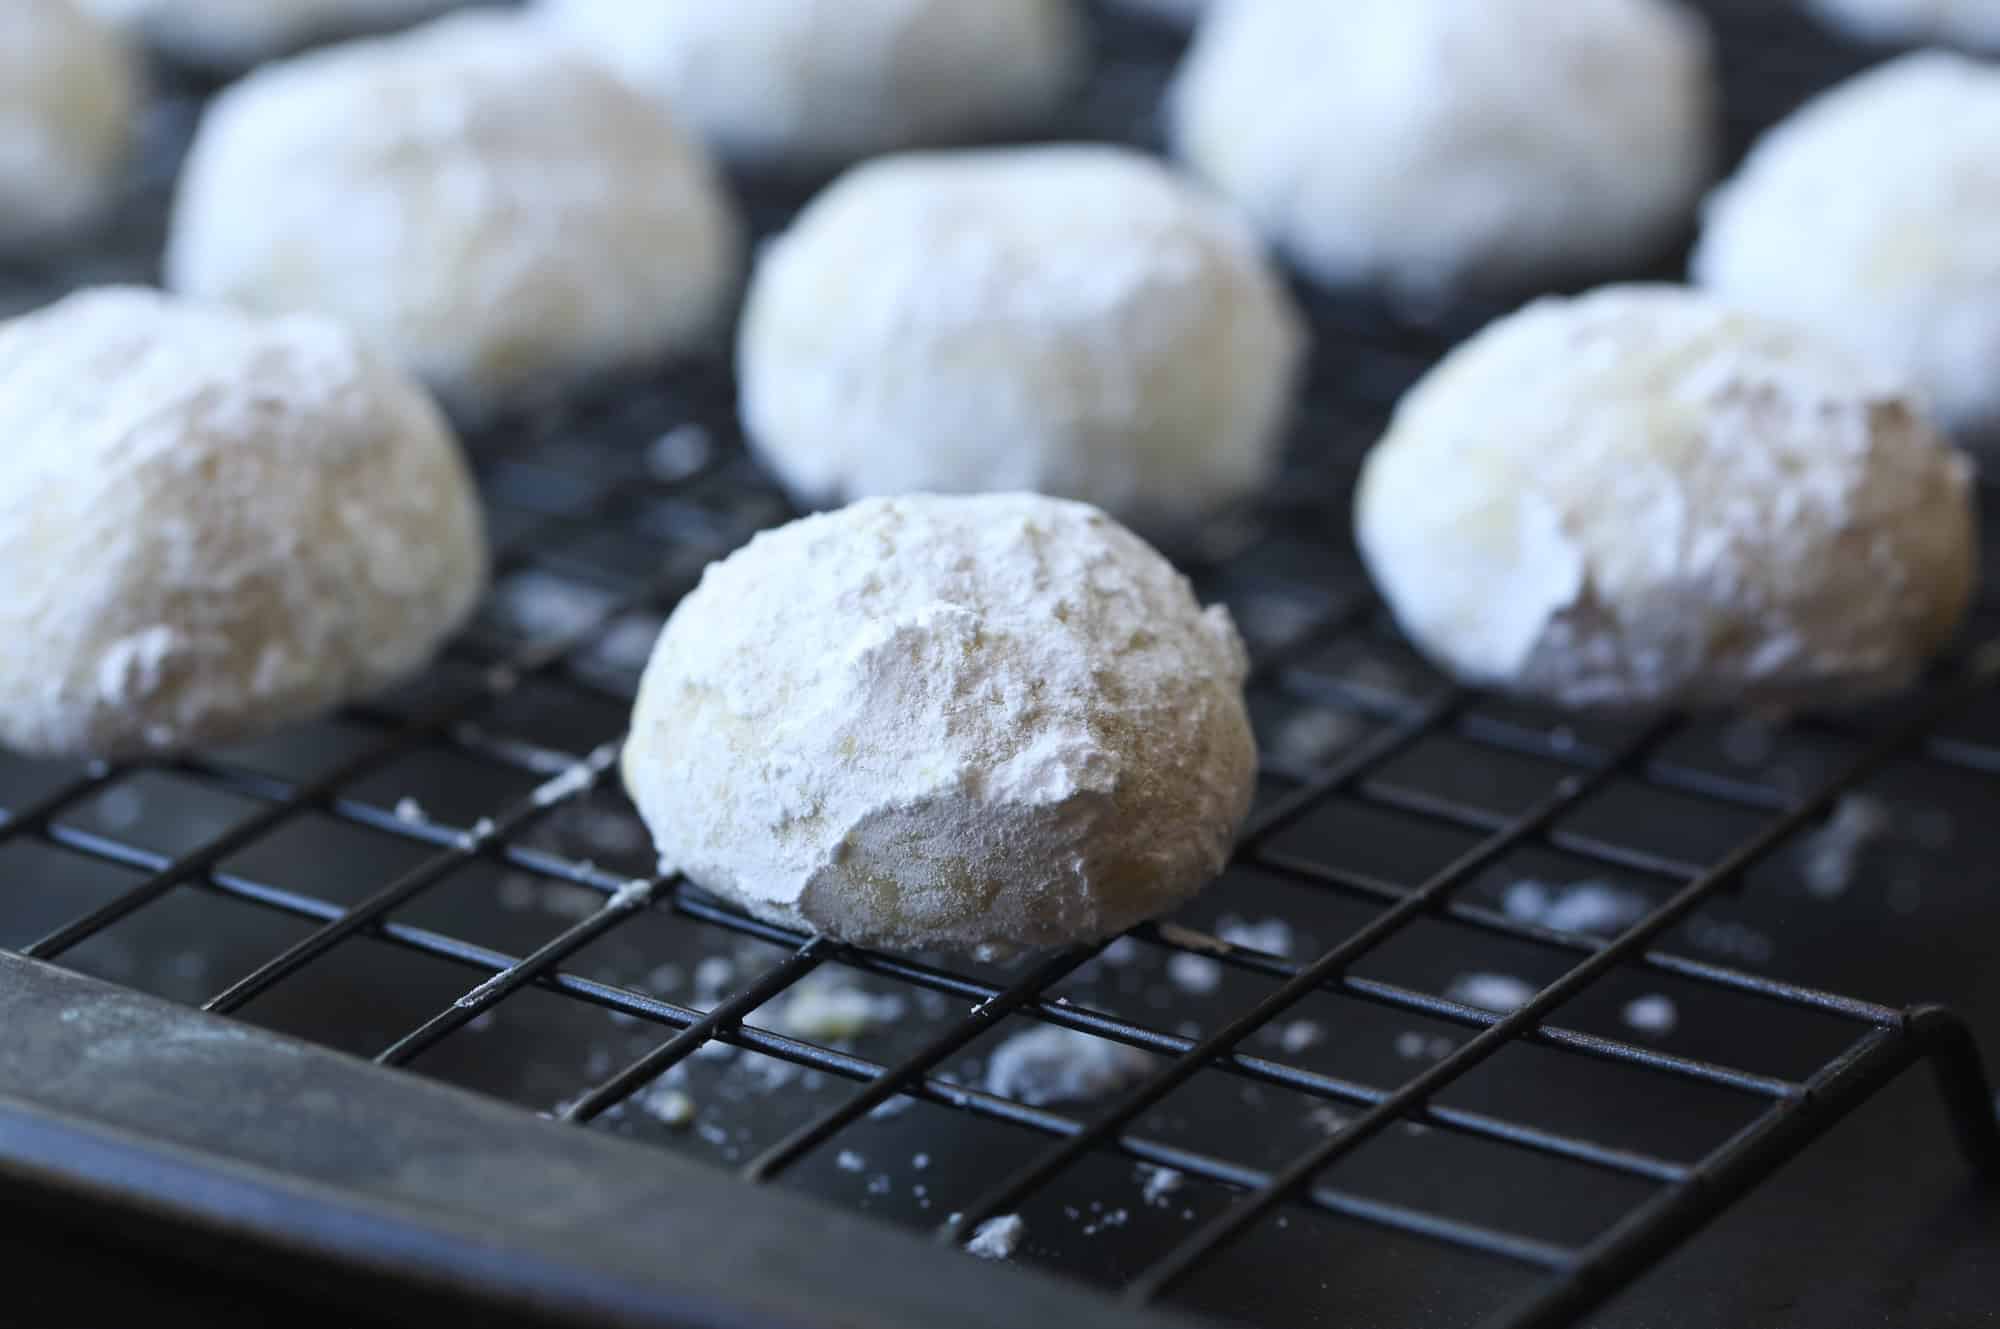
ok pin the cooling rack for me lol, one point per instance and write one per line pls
(1484, 1019)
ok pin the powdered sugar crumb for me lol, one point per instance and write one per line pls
(832, 1005)
(1160, 1183)
(1109, 1219)
(1196, 974)
(1730, 939)
(712, 976)
(1654, 1013)
(572, 781)
(1492, 992)
(631, 895)
(1598, 908)
(1049, 1064)
(679, 453)
(997, 1238)
(1326, 1119)
(1295, 1036)
(1830, 855)
(670, 1107)
(1272, 936)
(1414, 1046)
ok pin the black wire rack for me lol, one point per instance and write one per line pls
(447, 880)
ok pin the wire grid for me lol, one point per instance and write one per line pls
(620, 500)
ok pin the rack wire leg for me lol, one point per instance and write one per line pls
(1945, 1040)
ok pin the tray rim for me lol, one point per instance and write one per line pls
(89, 1066)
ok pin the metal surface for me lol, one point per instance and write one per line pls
(320, 1157)
(448, 881)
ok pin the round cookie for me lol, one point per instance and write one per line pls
(1073, 320)
(1640, 498)
(68, 94)
(961, 722)
(499, 216)
(1970, 23)
(213, 524)
(802, 84)
(228, 35)
(1869, 215)
(1429, 147)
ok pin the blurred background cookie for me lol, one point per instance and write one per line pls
(1431, 147)
(69, 92)
(1072, 320)
(502, 217)
(1870, 215)
(814, 84)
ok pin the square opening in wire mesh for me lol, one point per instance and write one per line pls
(186, 945)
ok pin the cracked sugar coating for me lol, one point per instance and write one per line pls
(499, 216)
(1973, 23)
(1073, 320)
(961, 722)
(224, 35)
(213, 524)
(1870, 216)
(1640, 498)
(818, 83)
(68, 93)
(1428, 146)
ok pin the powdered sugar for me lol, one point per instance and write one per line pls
(945, 722)
(1272, 936)
(1675, 503)
(1866, 215)
(1654, 1013)
(1492, 992)
(832, 1005)
(1196, 974)
(509, 216)
(1072, 320)
(572, 781)
(220, 523)
(1596, 907)
(670, 1107)
(1159, 1184)
(1428, 145)
(1829, 856)
(1295, 1036)
(997, 1238)
(1055, 1065)
(802, 83)
(1413, 1045)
